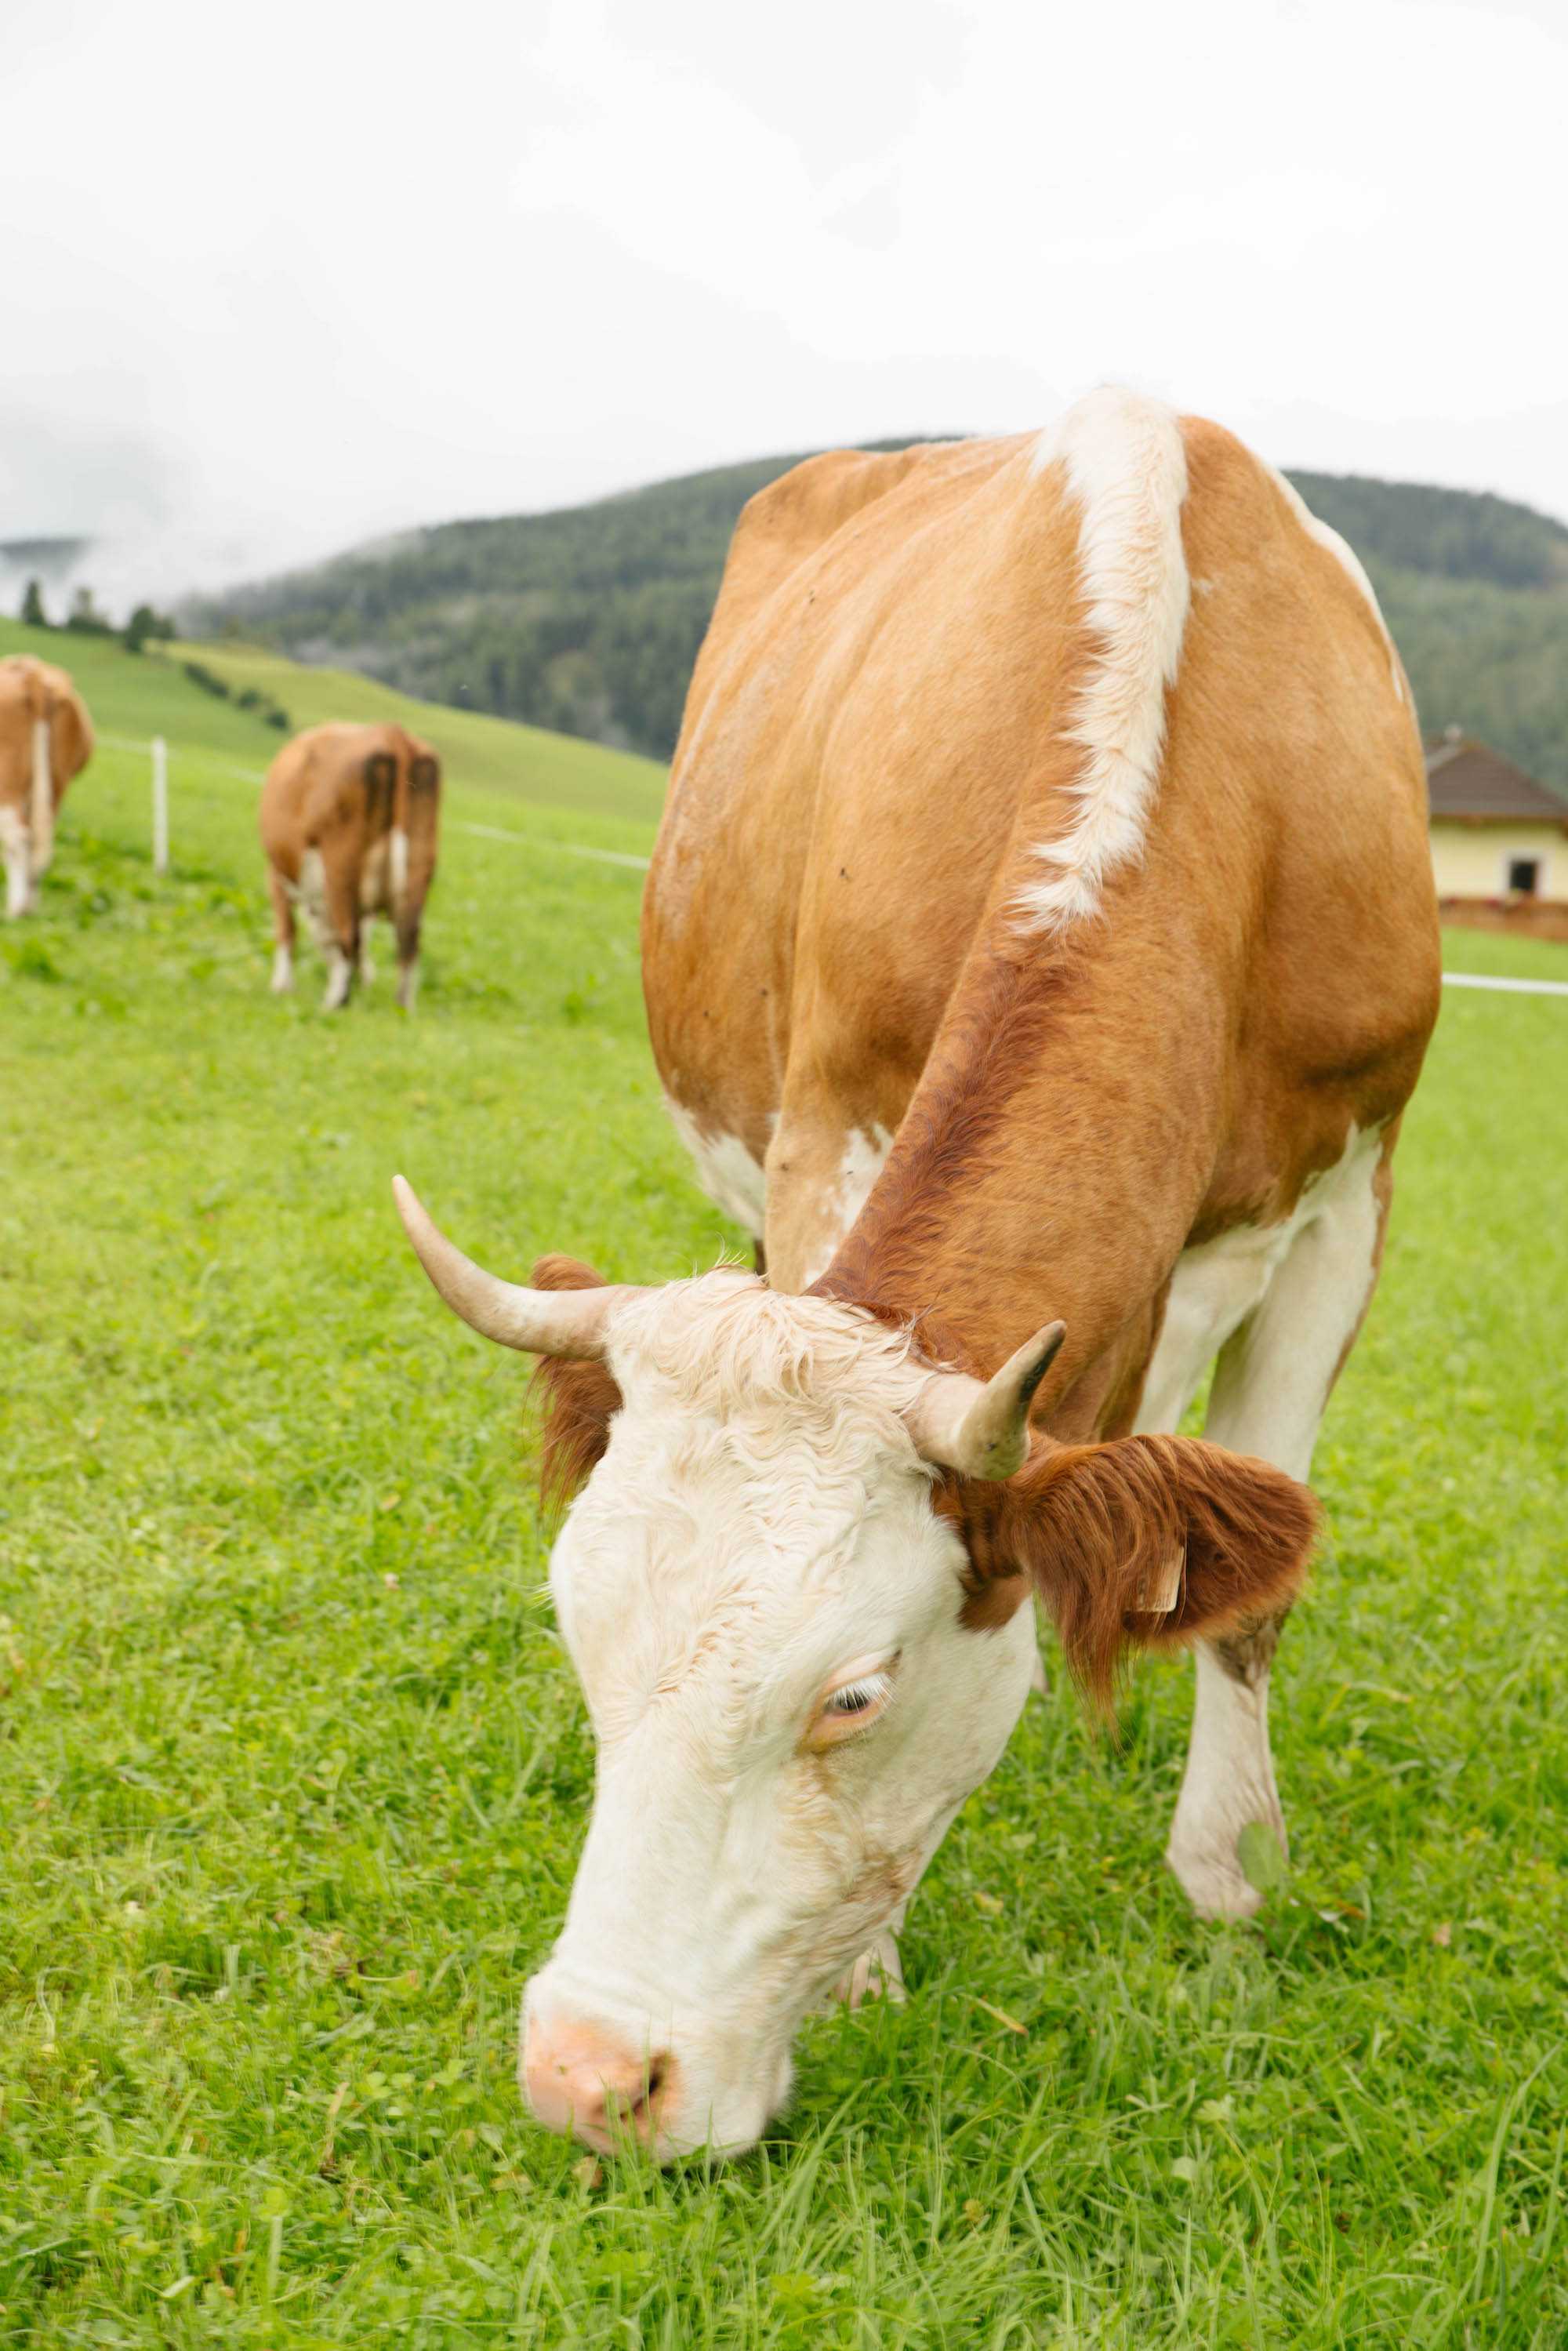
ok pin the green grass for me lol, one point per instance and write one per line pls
(294, 1775)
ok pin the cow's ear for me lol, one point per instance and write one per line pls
(578, 1400)
(1147, 1542)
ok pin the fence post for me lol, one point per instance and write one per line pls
(160, 805)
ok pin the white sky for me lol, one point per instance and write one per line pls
(277, 280)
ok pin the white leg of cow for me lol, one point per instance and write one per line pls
(15, 845)
(407, 984)
(877, 1974)
(1270, 1386)
(282, 970)
(340, 978)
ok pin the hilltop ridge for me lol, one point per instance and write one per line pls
(587, 620)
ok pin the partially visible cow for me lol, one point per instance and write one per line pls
(350, 817)
(46, 740)
(1042, 925)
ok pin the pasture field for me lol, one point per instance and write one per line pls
(293, 1774)
(523, 762)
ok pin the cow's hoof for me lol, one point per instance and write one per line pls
(1211, 1877)
(875, 1975)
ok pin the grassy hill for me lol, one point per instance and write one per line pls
(588, 621)
(492, 761)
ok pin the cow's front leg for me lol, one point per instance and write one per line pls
(1270, 1385)
(877, 1974)
(1230, 1778)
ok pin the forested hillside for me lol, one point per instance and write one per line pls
(588, 620)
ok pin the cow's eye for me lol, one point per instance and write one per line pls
(851, 1704)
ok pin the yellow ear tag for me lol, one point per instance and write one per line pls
(1158, 1594)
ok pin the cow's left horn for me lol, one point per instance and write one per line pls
(543, 1321)
(980, 1428)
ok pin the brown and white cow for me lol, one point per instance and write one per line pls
(1041, 934)
(46, 740)
(350, 817)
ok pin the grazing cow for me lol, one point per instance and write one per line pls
(1040, 938)
(46, 738)
(349, 822)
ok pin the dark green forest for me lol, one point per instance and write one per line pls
(588, 620)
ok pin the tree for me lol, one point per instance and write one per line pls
(33, 612)
(145, 623)
(86, 618)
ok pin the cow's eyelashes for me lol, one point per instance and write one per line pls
(859, 1697)
(853, 1704)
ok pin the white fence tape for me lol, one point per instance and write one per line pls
(1508, 987)
(454, 824)
(624, 857)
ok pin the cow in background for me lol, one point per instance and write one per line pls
(349, 822)
(46, 738)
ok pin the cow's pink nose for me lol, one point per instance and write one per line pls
(580, 2078)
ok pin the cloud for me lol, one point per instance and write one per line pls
(276, 292)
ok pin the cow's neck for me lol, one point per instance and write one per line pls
(1054, 1155)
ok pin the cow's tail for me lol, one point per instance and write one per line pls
(42, 826)
(398, 867)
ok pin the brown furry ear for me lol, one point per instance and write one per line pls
(1100, 1528)
(578, 1400)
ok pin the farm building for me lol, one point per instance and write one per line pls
(1499, 840)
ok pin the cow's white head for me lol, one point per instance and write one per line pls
(790, 1588)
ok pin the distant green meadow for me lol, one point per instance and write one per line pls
(294, 1773)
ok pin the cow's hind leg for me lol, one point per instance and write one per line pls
(1271, 1383)
(17, 848)
(340, 923)
(408, 925)
(282, 931)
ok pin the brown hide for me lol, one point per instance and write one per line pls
(418, 813)
(344, 791)
(873, 746)
(31, 690)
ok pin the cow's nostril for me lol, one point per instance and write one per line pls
(639, 2105)
(578, 2078)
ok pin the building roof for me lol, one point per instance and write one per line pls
(1470, 781)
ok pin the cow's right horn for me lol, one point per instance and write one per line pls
(980, 1428)
(543, 1321)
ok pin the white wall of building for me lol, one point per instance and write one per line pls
(1471, 860)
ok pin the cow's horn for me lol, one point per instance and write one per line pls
(543, 1321)
(980, 1428)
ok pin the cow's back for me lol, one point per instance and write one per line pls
(321, 788)
(873, 753)
(776, 819)
(31, 690)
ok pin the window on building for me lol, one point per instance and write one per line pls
(1524, 875)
